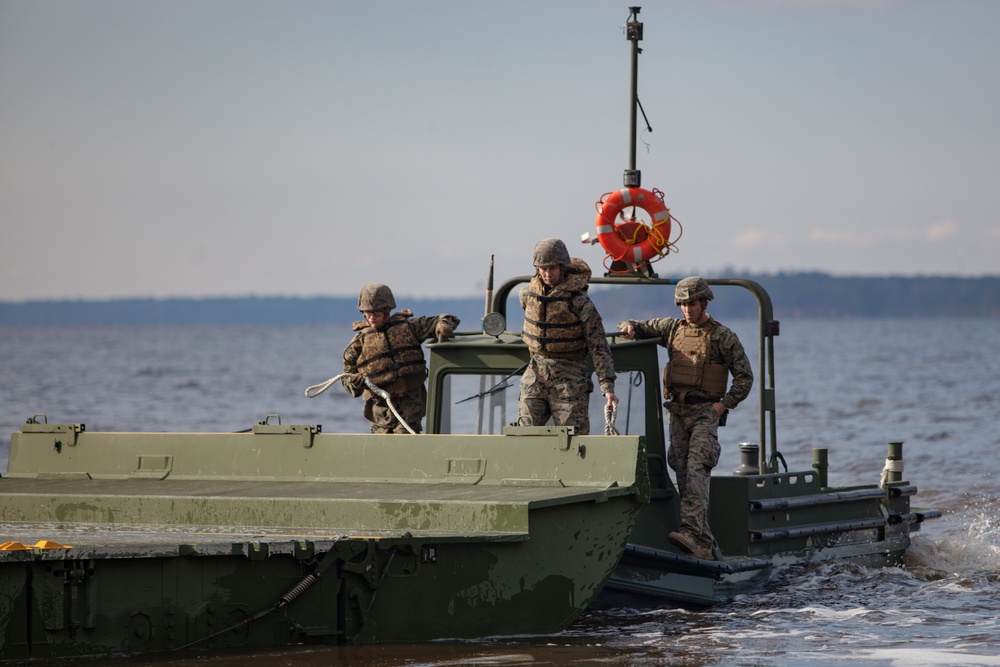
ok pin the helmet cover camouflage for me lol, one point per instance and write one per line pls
(551, 251)
(376, 296)
(692, 288)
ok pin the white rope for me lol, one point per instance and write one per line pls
(610, 414)
(317, 389)
(323, 386)
(890, 466)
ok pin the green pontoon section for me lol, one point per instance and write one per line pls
(165, 541)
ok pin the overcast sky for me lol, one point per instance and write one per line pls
(236, 147)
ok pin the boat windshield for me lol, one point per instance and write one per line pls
(484, 404)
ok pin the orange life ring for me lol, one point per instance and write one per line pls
(610, 236)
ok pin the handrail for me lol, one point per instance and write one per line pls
(767, 329)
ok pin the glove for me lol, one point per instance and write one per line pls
(444, 330)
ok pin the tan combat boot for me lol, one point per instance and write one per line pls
(689, 547)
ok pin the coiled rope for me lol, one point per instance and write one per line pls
(890, 466)
(610, 414)
(317, 389)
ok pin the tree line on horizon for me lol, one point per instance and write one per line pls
(804, 295)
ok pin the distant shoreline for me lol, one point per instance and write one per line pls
(806, 294)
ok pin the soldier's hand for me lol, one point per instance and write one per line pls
(444, 330)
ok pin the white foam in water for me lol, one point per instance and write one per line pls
(967, 544)
(922, 657)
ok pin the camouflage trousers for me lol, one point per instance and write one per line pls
(694, 450)
(558, 389)
(411, 405)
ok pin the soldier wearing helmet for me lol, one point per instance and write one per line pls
(701, 353)
(387, 350)
(562, 328)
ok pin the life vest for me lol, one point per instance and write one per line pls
(689, 368)
(391, 352)
(552, 328)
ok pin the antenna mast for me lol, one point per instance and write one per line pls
(633, 33)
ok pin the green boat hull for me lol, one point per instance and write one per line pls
(158, 543)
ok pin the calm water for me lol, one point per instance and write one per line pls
(850, 386)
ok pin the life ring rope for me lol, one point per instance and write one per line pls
(622, 243)
(669, 247)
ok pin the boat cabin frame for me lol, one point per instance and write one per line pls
(503, 356)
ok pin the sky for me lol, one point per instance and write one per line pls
(203, 148)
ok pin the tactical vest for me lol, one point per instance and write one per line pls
(551, 328)
(391, 352)
(689, 368)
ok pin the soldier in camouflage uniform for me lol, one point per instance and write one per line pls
(387, 349)
(562, 328)
(702, 353)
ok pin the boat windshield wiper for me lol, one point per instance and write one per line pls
(499, 386)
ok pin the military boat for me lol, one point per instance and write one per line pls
(763, 514)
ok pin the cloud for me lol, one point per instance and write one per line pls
(754, 237)
(937, 231)
(941, 229)
(834, 236)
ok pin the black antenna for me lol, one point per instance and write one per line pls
(633, 33)
(489, 289)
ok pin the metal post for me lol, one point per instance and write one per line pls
(633, 33)
(820, 465)
(895, 470)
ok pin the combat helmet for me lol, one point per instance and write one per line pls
(692, 288)
(551, 251)
(376, 296)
